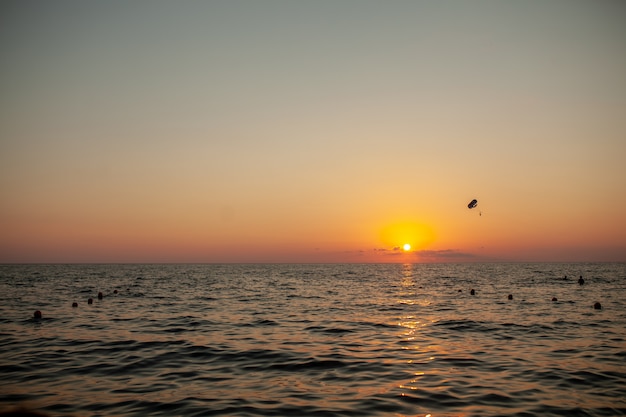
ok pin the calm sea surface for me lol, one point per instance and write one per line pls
(314, 340)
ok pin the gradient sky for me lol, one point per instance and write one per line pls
(320, 131)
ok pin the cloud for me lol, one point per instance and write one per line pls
(445, 253)
(432, 255)
(394, 249)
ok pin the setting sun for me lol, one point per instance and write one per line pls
(399, 234)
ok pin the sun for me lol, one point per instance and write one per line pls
(417, 235)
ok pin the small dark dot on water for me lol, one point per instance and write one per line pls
(37, 314)
(90, 301)
(597, 306)
(472, 292)
(554, 299)
(510, 296)
(74, 304)
(114, 291)
(100, 296)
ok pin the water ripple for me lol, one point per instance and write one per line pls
(313, 340)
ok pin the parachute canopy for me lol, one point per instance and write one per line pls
(472, 204)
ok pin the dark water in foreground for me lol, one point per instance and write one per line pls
(314, 340)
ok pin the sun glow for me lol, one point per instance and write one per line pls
(398, 235)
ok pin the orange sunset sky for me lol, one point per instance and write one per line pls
(321, 131)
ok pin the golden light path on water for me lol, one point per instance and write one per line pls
(323, 339)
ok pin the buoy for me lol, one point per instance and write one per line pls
(37, 314)
(597, 306)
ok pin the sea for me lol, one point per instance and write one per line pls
(314, 340)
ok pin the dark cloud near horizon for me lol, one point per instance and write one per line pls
(445, 253)
(428, 254)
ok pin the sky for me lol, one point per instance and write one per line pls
(321, 131)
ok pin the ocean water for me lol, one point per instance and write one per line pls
(314, 340)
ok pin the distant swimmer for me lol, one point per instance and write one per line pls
(90, 301)
(74, 304)
(554, 299)
(472, 292)
(100, 296)
(37, 315)
(597, 306)
(581, 281)
(565, 278)
(510, 296)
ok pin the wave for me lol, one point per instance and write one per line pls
(337, 340)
